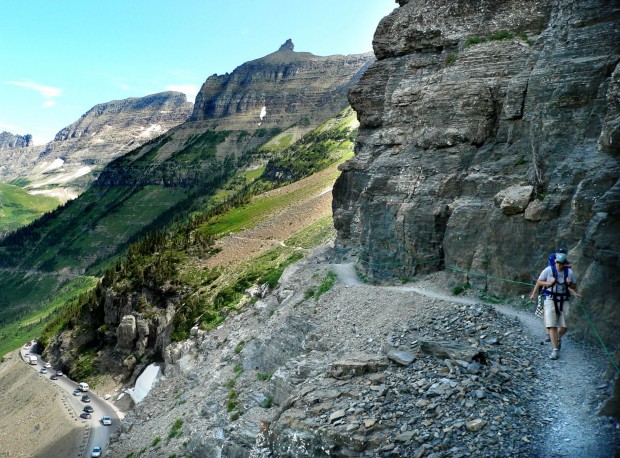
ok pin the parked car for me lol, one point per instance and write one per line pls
(107, 421)
(43, 370)
(85, 398)
(85, 415)
(59, 373)
(48, 365)
(96, 452)
(54, 377)
(76, 392)
(89, 409)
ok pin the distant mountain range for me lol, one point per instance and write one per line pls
(65, 167)
(257, 110)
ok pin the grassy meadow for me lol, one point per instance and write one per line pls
(19, 208)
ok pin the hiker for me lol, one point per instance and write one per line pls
(551, 263)
(559, 281)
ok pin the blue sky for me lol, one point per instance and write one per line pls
(60, 58)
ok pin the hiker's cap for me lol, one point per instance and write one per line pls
(560, 258)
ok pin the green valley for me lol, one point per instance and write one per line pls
(154, 242)
(18, 207)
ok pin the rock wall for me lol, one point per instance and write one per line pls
(490, 136)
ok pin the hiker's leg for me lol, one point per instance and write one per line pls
(553, 333)
(562, 321)
(551, 321)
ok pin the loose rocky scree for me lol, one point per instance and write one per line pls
(363, 371)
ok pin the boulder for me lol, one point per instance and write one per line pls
(514, 199)
(451, 350)
(362, 364)
(403, 358)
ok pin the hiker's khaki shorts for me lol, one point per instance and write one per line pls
(551, 319)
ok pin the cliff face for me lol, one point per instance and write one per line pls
(280, 89)
(9, 140)
(134, 116)
(490, 135)
(81, 150)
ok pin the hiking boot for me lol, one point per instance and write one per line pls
(554, 354)
(548, 339)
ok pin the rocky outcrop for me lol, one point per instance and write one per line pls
(126, 333)
(8, 140)
(67, 165)
(489, 132)
(128, 329)
(279, 90)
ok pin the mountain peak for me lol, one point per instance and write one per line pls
(287, 46)
(9, 140)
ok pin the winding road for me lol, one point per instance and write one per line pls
(96, 434)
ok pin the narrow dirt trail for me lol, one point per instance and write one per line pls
(569, 389)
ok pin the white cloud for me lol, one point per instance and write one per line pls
(49, 103)
(47, 92)
(190, 90)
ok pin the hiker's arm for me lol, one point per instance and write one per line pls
(540, 283)
(535, 291)
(573, 292)
(546, 284)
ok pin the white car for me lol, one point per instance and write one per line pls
(43, 370)
(48, 365)
(107, 421)
(96, 452)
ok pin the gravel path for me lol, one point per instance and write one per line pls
(569, 389)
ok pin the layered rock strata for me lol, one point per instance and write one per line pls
(79, 151)
(490, 136)
(279, 90)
